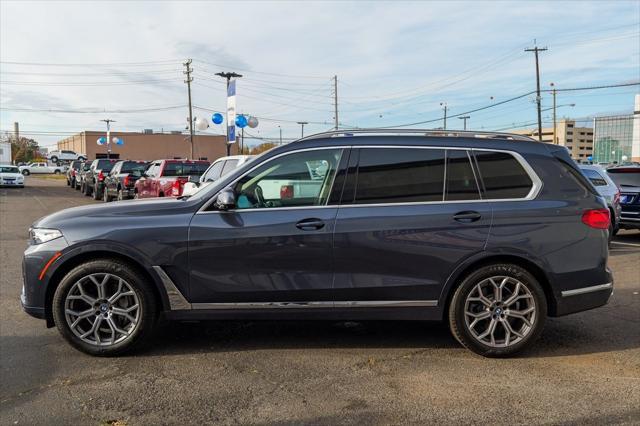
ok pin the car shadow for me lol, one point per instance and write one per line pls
(591, 332)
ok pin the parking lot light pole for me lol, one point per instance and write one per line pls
(302, 123)
(465, 118)
(108, 121)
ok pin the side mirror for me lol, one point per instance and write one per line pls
(226, 199)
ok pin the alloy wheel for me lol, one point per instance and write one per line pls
(500, 311)
(102, 309)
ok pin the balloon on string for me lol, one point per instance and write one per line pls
(217, 118)
(101, 140)
(253, 122)
(241, 121)
(117, 141)
(202, 124)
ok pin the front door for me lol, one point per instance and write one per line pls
(276, 244)
(401, 230)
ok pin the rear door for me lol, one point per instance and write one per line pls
(408, 216)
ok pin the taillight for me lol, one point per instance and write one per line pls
(100, 175)
(597, 218)
(176, 188)
(286, 192)
(126, 180)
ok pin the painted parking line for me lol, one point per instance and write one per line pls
(625, 244)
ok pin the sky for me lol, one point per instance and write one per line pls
(64, 66)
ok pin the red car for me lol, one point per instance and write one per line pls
(165, 178)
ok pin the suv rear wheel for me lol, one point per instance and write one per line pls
(498, 310)
(104, 307)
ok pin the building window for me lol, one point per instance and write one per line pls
(569, 140)
(570, 125)
(569, 133)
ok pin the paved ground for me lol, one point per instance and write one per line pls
(584, 370)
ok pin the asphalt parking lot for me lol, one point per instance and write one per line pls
(585, 369)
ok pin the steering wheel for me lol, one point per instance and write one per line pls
(259, 196)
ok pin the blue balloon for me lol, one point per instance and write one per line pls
(590, 158)
(119, 141)
(241, 121)
(217, 118)
(101, 141)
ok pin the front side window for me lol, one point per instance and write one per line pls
(399, 175)
(293, 180)
(503, 176)
(461, 182)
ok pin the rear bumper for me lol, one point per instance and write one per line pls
(584, 298)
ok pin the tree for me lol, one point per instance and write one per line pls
(258, 149)
(24, 149)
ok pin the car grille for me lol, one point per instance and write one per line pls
(629, 198)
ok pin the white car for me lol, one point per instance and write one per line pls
(64, 155)
(218, 168)
(40, 168)
(11, 176)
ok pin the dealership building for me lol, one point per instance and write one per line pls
(148, 145)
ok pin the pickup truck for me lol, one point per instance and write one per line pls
(65, 155)
(93, 181)
(217, 169)
(40, 168)
(119, 183)
(166, 178)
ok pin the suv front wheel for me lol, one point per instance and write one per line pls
(498, 310)
(104, 307)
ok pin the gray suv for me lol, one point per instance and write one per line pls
(489, 232)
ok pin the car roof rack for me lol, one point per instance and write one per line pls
(419, 132)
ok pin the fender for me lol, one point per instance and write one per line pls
(70, 253)
(455, 275)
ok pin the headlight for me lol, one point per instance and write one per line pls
(42, 235)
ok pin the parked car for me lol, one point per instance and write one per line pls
(482, 230)
(72, 171)
(40, 168)
(80, 174)
(628, 180)
(218, 168)
(65, 155)
(166, 178)
(608, 189)
(93, 180)
(11, 176)
(119, 183)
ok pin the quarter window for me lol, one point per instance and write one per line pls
(503, 176)
(595, 177)
(399, 175)
(294, 180)
(461, 182)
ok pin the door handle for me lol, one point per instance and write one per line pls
(310, 224)
(467, 217)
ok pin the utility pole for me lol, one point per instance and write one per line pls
(16, 131)
(465, 118)
(280, 134)
(536, 49)
(444, 105)
(188, 81)
(228, 76)
(108, 121)
(335, 99)
(302, 123)
(555, 138)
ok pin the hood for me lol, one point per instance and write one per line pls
(116, 210)
(11, 175)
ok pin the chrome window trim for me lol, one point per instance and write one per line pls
(584, 290)
(536, 186)
(203, 209)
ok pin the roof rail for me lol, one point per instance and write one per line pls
(419, 132)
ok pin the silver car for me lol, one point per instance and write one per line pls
(608, 189)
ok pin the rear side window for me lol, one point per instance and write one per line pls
(184, 169)
(595, 177)
(461, 182)
(503, 176)
(133, 167)
(400, 175)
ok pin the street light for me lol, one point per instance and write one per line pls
(465, 118)
(280, 128)
(302, 123)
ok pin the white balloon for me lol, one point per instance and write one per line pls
(252, 122)
(625, 158)
(202, 124)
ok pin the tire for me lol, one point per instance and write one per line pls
(95, 194)
(463, 312)
(105, 195)
(26, 172)
(136, 196)
(86, 191)
(120, 195)
(54, 159)
(56, 172)
(68, 182)
(129, 334)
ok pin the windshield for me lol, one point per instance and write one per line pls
(184, 169)
(9, 169)
(625, 176)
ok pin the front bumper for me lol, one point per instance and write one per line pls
(584, 298)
